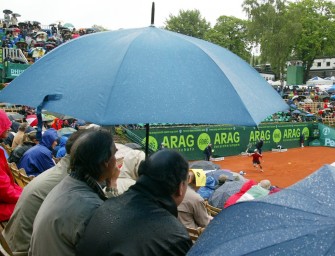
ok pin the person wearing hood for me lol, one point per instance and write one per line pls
(9, 191)
(39, 158)
(62, 151)
(206, 191)
(143, 220)
(129, 170)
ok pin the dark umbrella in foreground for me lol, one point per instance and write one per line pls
(146, 75)
(299, 220)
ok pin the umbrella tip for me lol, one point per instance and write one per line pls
(153, 14)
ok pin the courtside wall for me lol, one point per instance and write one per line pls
(228, 140)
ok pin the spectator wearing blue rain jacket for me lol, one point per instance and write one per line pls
(39, 158)
(62, 151)
(208, 189)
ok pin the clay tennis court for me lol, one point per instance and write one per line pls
(282, 168)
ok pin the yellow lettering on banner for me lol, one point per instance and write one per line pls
(190, 141)
(291, 133)
(175, 141)
(166, 141)
(226, 138)
(257, 135)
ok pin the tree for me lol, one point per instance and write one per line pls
(316, 34)
(231, 33)
(270, 27)
(189, 23)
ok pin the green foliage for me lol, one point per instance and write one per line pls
(189, 23)
(315, 19)
(231, 33)
(270, 27)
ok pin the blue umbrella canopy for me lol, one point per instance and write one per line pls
(298, 220)
(145, 75)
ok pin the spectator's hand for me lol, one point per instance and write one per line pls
(111, 182)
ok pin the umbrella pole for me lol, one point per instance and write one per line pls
(153, 14)
(146, 140)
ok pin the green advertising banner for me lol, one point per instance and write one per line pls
(13, 70)
(225, 140)
(1, 55)
(327, 136)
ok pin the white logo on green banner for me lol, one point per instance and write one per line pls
(326, 131)
(203, 141)
(276, 136)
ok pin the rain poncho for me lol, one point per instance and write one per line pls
(208, 190)
(39, 158)
(9, 191)
(62, 150)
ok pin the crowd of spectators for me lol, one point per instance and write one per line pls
(34, 39)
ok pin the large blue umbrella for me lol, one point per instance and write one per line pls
(299, 220)
(146, 75)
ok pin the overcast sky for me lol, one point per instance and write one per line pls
(113, 14)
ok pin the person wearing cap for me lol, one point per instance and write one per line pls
(39, 158)
(143, 220)
(192, 211)
(9, 191)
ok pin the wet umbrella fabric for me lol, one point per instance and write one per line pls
(66, 131)
(230, 175)
(298, 220)
(154, 70)
(220, 195)
(205, 165)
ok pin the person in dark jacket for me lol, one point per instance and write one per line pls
(29, 140)
(259, 145)
(208, 152)
(39, 158)
(143, 220)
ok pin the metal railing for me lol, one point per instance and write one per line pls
(14, 54)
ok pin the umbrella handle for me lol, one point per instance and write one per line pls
(39, 112)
